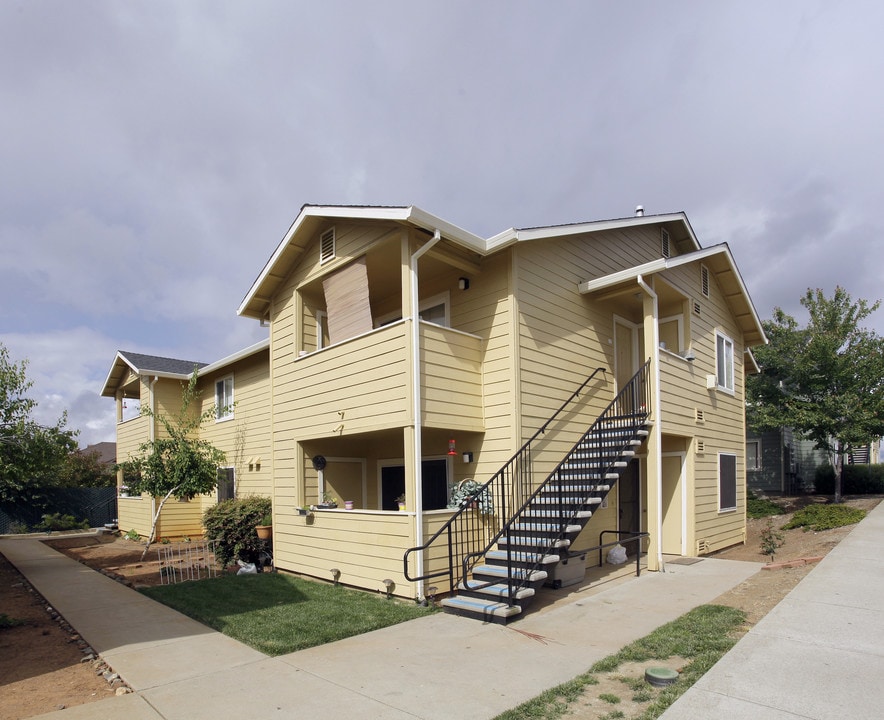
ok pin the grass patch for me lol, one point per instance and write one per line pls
(825, 517)
(757, 507)
(701, 636)
(278, 614)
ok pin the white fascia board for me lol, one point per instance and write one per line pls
(620, 276)
(230, 359)
(119, 357)
(449, 231)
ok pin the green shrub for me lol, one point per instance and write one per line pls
(9, 622)
(857, 480)
(231, 524)
(825, 517)
(757, 507)
(57, 521)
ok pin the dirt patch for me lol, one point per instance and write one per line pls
(40, 662)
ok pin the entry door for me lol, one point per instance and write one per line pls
(625, 351)
(434, 474)
(630, 510)
(673, 491)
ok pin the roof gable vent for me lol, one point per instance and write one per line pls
(704, 280)
(327, 246)
(664, 243)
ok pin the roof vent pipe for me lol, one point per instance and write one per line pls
(639, 211)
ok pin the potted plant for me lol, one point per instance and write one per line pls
(328, 501)
(305, 510)
(469, 493)
(401, 501)
(265, 527)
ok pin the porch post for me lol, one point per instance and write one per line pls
(654, 459)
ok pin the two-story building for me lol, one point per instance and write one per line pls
(407, 355)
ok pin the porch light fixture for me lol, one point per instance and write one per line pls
(463, 283)
(451, 449)
(468, 457)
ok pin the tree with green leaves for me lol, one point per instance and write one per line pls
(825, 380)
(32, 456)
(177, 463)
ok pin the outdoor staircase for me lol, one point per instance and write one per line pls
(509, 534)
(540, 534)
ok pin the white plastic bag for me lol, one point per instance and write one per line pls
(617, 555)
(246, 568)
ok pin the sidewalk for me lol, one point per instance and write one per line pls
(818, 654)
(435, 667)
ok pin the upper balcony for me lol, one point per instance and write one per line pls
(364, 383)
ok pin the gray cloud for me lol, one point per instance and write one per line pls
(156, 152)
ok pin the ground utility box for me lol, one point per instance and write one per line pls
(569, 571)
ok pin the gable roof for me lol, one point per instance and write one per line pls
(256, 303)
(720, 261)
(140, 364)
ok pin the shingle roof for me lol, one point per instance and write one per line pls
(155, 363)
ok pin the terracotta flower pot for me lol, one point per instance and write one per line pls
(265, 532)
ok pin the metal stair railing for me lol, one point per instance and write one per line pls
(628, 411)
(468, 531)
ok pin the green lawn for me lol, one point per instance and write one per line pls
(701, 636)
(278, 614)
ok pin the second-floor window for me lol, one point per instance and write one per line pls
(224, 398)
(724, 361)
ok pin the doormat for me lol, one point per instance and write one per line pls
(684, 561)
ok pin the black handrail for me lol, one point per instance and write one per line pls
(473, 527)
(633, 537)
(629, 409)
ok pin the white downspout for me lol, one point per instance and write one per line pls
(658, 480)
(416, 396)
(152, 433)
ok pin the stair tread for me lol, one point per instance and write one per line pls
(497, 590)
(536, 542)
(500, 571)
(481, 606)
(522, 556)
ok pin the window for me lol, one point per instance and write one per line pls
(727, 482)
(753, 454)
(224, 398)
(322, 339)
(724, 361)
(327, 246)
(226, 486)
(704, 280)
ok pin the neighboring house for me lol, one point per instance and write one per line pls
(781, 462)
(238, 386)
(368, 404)
(107, 452)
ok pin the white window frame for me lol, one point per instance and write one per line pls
(724, 362)
(733, 508)
(223, 401)
(443, 298)
(679, 320)
(757, 445)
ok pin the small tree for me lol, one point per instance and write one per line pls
(825, 380)
(178, 463)
(32, 456)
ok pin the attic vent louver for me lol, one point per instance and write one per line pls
(327, 246)
(701, 446)
(701, 415)
(664, 243)
(696, 307)
(704, 280)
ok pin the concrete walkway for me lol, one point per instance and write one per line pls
(818, 654)
(435, 667)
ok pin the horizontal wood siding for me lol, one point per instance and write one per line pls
(361, 385)
(245, 436)
(563, 337)
(722, 427)
(367, 547)
(130, 435)
(180, 519)
(451, 379)
(134, 513)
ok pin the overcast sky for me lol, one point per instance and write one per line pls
(153, 154)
